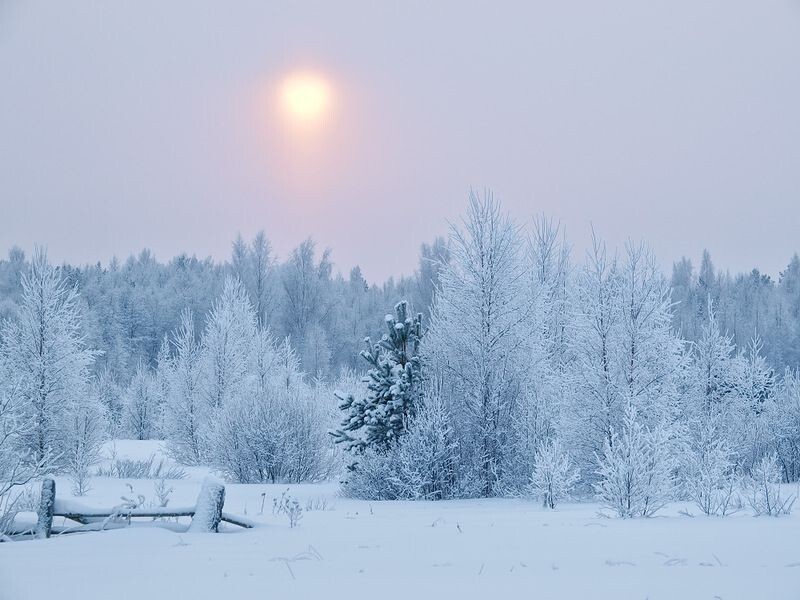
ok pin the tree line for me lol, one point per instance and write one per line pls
(508, 368)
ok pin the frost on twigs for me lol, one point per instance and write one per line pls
(554, 474)
(764, 489)
(289, 506)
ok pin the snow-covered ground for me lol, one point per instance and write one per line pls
(455, 549)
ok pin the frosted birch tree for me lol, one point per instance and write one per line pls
(47, 360)
(186, 409)
(477, 340)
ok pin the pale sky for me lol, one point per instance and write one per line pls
(134, 124)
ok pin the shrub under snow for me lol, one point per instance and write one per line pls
(635, 469)
(554, 474)
(764, 489)
(711, 481)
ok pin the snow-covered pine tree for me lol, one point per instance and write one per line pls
(393, 380)
(46, 361)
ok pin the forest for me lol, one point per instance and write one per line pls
(503, 366)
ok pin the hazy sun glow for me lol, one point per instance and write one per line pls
(305, 98)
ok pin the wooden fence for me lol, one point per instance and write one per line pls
(206, 514)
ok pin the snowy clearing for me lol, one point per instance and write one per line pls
(462, 548)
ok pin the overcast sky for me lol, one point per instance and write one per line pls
(133, 124)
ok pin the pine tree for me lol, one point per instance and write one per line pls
(380, 418)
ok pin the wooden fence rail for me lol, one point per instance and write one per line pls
(206, 514)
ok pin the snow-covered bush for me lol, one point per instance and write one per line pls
(635, 469)
(710, 478)
(764, 489)
(554, 474)
(148, 468)
(277, 435)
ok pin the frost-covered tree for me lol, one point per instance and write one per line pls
(47, 360)
(710, 479)
(748, 411)
(186, 409)
(635, 469)
(626, 353)
(86, 429)
(393, 382)
(554, 474)
(595, 399)
(478, 338)
(537, 413)
(306, 299)
(141, 408)
(106, 387)
(17, 463)
(784, 418)
(254, 264)
(227, 340)
(650, 354)
(713, 356)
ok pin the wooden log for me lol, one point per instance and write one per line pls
(208, 512)
(97, 514)
(237, 520)
(44, 524)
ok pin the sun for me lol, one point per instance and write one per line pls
(305, 98)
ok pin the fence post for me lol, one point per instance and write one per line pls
(44, 523)
(208, 512)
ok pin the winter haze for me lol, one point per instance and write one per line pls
(406, 301)
(142, 124)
